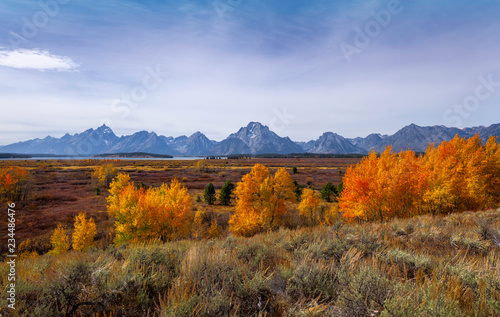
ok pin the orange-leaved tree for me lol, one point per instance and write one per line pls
(492, 172)
(460, 174)
(383, 187)
(146, 214)
(261, 200)
(361, 197)
(84, 232)
(14, 183)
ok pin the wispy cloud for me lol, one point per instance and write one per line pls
(36, 59)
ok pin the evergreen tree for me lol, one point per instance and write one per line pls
(328, 191)
(225, 193)
(340, 188)
(297, 189)
(209, 194)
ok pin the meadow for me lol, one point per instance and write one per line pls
(60, 189)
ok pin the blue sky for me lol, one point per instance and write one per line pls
(300, 67)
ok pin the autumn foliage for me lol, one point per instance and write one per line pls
(458, 175)
(84, 233)
(59, 240)
(205, 225)
(144, 214)
(103, 174)
(261, 201)
(14, 183)
(309, 205)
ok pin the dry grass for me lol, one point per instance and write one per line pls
(423, 266)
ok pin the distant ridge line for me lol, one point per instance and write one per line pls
(253, 139)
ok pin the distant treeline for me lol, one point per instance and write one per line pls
(134, 154)
(15, 155)
(12, 155)
(295, 155)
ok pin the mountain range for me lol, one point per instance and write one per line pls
(255, 138)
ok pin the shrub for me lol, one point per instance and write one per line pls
(258, 255)
(205, 225)
(364, 293)
(443, 296)
(201, 166)
(408, 261)
(314, 281)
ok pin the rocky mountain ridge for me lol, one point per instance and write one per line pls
(255, 138)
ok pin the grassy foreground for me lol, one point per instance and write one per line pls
(424, 266)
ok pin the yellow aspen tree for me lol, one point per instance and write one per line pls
(59, 240)
(309, 204)
(199, 230)
(331, 215)
(446, 177)
(283, 192)
(472, 157)
(175, 217)
(84, 232)
(245, 221)
(153, 213)
(214, 230)
(115, 189)
(261, 201)
(103, 174)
